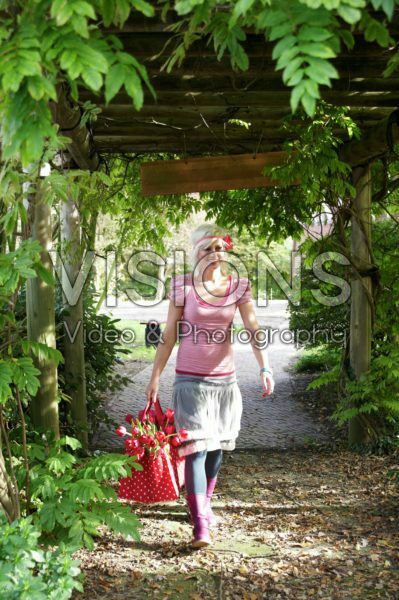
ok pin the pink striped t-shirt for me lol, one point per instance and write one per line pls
(206, 337)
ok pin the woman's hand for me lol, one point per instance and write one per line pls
(268, 383)
(151, 391)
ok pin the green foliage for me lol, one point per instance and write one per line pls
(28, 572)
(49, 38)
(375, 393)
(44, 41)
(319, 358)
(307, 35)
(16, 363)
(102, 349)
(72, 500)
(325, 324)
(312, 176)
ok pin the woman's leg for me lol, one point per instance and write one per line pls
(212, 466)
(194, 473)
(213, 463)
(196, 486)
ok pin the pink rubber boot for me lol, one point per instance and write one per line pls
(197, 505)
(213, 520)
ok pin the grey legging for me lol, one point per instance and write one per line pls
(200, 467)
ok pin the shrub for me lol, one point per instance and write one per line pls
(28, 572)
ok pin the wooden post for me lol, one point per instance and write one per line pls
(40, 301)
(73, 321)
(360, 320)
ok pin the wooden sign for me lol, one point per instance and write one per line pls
(208, 173)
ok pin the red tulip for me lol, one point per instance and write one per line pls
(143, 439)
(135, 430)
(129, 418)
(183, 434)
(169, 414)
(121, 431)
(175, 441)
(160, 436)
(131, 444)
(139, 452)
(169, 429)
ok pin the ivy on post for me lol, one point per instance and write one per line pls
(361, 293)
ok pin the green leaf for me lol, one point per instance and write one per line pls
(92, 78)
(281, 31)
(321, 67)
(25, 375)
(347, 38)
(66, 440)
(47, 516)
(292, 68)
(313, 34)
(321, 71)
(85, 9)
(144, 7)
(240, 58)
(61, 11)
(5, 381)
(114, 81)
(317, 50)
(312, 88)
(60, 462)
(134, 88)
(282, 45)
(349, 14)
(120, 519)
(85, 490)
(287, 56)
(296, 95)
(79, 25)
(44, 274)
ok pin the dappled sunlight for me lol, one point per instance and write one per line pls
(296, 524)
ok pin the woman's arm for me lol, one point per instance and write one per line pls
(251, 324)
(164, 348)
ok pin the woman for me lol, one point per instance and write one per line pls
(206, 398)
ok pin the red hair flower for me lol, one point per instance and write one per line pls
(229, 242)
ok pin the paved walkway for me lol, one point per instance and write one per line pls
(276, 421)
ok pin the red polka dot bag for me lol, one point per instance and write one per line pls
(154, 440)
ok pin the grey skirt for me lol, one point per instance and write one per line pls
(209, 408)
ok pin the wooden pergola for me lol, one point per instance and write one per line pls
(191, 114)
(195, 102)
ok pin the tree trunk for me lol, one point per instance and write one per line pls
(74, 353)
(40, 300)
(9, 501)
(360, 322)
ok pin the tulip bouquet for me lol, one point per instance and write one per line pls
(147, 437)
(153, 439)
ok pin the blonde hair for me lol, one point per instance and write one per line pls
(196, 235)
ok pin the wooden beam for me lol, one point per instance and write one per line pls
(149, 45)
(67, 115)
(195, 149)
(374, 143)
(260, 99)
(208, 173)
(127, 111)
